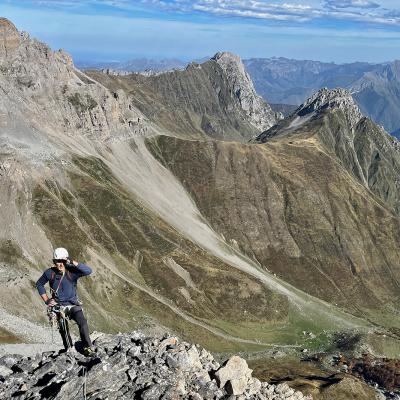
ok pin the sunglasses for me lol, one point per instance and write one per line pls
(55, 261)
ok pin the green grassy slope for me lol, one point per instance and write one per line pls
(292, 206)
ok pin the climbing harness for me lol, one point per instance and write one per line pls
(58, 317)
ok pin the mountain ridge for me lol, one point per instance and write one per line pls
(77, 155)
(373, 86)
(156, 215)
(215, 99)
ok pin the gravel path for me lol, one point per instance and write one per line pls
(38, 337)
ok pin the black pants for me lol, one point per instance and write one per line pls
(76, 314)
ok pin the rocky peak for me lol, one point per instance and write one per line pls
(258, 111)
(331, 99)
(9, 37)
(227, 59)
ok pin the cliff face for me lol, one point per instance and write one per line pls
(9, 37)
(44, 88)
(256, 109)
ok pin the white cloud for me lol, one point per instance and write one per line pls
(351, 4)
(387, 12)
(304, 10)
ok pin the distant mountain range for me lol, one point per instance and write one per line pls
(375, 87)
(139, 64)
(286, 83)
(282, 80)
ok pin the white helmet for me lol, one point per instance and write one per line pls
(60, 254)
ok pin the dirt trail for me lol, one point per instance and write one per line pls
(194, 321)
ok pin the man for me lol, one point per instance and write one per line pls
(62, 280)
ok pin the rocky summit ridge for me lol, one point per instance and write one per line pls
(214, 99)
(132, 365)
(257, 110)
(329, 99)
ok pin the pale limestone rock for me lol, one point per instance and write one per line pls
(237, 386)
(332, 98)
(254, 386)
(9, 38)
(236, 372)
(65, 57)
(259, 113)
(4, 371)
(194, 358)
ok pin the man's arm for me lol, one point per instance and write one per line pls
(45, 297)
(82, 269)
(40, 287)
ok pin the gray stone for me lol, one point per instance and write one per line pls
(257, 110)
(254, 386)
(180, 360)
(194, 396)
(4, 371)
(134, 351)
(164, 373)
(154, 392)
(132, 374)
(282, 388)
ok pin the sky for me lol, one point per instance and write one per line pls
(118, 30)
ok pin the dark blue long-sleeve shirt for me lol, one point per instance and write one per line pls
(64, 292)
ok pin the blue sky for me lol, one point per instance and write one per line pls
(105, 30)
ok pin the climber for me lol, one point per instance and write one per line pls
(62, 278)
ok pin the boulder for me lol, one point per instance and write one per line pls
(235, 372)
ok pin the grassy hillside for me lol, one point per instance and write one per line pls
(295, 208)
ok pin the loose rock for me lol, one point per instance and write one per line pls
(134, 366)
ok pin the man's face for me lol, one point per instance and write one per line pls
(59, 264)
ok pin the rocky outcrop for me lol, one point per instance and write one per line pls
(134, 366)
(43, 86)
(330, 99)
(257, 110)
(313, 108)
(9, 37)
